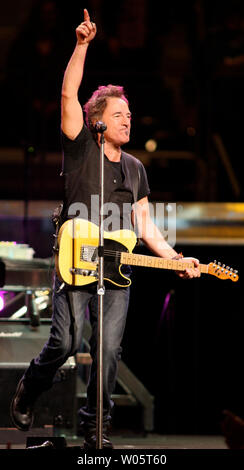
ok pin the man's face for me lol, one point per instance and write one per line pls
(117, 117)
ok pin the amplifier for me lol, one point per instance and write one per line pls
(18, 345)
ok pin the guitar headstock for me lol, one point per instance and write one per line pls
(222, 272)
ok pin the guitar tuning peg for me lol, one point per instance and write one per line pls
(219, 263)
(235, 271)
(227, 267)
(231, 269)
(215, 261)
(223, 265)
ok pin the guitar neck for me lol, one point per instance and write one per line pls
(160, 263)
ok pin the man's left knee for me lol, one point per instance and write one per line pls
(112, 352)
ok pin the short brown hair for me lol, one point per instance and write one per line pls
(96, 105)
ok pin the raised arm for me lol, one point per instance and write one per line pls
(71, 110)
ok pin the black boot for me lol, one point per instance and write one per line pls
(91, 439)
(21, 409)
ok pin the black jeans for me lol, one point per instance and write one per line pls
(66, 337)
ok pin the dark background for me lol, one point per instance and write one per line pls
(189, 355)
(182, 65)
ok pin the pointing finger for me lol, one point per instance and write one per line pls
(86, 15)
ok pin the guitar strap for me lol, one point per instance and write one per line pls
(134, 174)
(135, 186)
(136, 183)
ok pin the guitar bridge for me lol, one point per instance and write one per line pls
(84, 272)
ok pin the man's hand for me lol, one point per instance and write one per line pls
(86, 31)
(190, 273)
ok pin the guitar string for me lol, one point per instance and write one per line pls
(114, 254)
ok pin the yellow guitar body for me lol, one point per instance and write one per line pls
(74, 237)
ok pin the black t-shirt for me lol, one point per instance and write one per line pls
(80, 168)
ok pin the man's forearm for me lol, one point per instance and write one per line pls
(155, 241)
(74, 71)
(149, 232)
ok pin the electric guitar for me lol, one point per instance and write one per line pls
(76, 259)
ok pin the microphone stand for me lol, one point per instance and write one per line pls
(101, 292)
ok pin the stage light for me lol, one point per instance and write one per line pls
(2, 303)
(151, 145)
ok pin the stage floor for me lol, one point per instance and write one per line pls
(157, 441)
(124, 440)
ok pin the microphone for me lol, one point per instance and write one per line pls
(100, 126)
